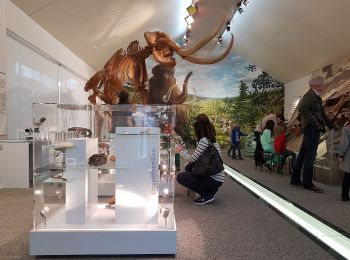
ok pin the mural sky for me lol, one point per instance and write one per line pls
(218, 80)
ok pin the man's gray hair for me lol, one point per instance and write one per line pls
(316, 81)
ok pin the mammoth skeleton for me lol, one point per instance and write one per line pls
(128, 67)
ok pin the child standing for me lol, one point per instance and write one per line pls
(236, 140)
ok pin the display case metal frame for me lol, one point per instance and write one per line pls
(69, 216)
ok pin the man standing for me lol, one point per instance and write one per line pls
(313, 122)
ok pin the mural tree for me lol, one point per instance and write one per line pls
(251, 105)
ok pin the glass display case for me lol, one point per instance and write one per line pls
(326, 167)
(104, 180)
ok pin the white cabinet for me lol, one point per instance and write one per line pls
(14, 161)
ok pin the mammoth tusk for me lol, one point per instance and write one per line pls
(166, 97)
(186, 52)
(211, 60)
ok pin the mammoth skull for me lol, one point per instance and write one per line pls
(163, 46)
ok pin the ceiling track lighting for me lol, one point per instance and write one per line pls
(219, 39)
(246, 2)
(228, 27)
(185, 41)
(189, 19)
(239, 8)
(193, 9)
(187, 33)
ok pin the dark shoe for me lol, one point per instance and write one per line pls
(204, 200)
(241, 158)
(313, 188)
(234, 157)
(345, 198)
(296, 183)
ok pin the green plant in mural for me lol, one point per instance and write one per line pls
(265, 96)
(247, 109)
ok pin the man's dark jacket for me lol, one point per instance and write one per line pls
(312, 112)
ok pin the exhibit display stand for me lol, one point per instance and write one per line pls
(71, 217)
(326, 167)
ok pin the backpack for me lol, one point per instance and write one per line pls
(209, 162)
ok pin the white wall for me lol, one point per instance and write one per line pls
(21, 25)
(293, 90)
(18, 22)
(2, 37)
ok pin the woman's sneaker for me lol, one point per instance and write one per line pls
(204, 200)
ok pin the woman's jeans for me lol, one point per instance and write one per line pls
(205, 186)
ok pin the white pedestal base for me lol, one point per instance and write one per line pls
(102, 242)
(102, 236)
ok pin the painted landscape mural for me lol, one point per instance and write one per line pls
(232, 91)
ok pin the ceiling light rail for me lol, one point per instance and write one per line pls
(192, 11)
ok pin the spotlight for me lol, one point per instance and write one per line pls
(189, 19)
(187, 34)
(165, 212)
(189, 26)
(239, 8)
(228, 26)
(246, 2)
(192, 10)
(166, 191)
(43, 213)
(185, 42)
(220, 39)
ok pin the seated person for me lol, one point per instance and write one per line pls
(280, 146)
(267, 141)
(267, 137)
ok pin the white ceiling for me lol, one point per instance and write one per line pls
(287, 38)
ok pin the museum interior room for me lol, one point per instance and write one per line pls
(178, 129)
